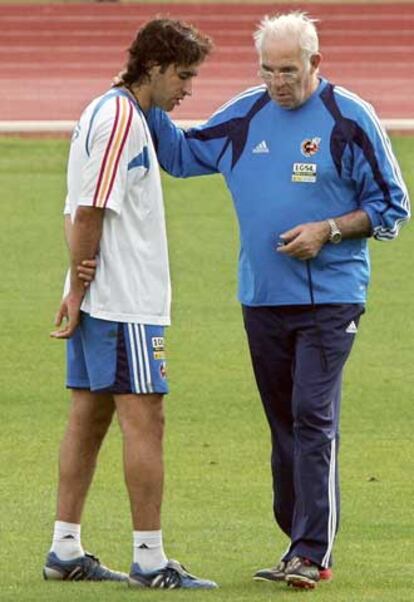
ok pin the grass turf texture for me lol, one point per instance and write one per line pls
(217, 507)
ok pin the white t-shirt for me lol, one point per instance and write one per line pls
(113, 165)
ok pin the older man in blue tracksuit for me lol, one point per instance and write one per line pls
(312, 176)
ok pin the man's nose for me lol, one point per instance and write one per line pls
(188, 87)
(278, 82)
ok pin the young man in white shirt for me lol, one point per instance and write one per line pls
(115, 326)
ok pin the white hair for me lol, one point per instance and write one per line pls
(296, 25)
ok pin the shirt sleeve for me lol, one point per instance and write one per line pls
(66, 208)
(179, 152)
(382, 193)
(212, 147)
(104, 175)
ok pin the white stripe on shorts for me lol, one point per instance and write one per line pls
(146, 360)
(140, 359)
(133, 358)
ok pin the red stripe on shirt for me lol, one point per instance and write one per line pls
(131, 110)
(108, 147)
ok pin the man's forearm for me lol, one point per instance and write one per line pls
(85, 236)
(83, 239)
(354, 225)
(68, 230)
(306, 240)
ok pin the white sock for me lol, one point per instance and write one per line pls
(67, 541)
(148, 550)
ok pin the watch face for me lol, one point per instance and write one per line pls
(335, 235)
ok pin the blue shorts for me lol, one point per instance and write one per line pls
(116, 357)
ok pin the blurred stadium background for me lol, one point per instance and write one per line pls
(55, 57)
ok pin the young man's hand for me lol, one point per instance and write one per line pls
(86, 271)
(69, 311)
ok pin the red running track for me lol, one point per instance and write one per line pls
(55, 58)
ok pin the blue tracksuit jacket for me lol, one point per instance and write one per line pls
(287, 167)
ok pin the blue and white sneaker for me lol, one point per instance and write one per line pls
(172, 576)
(84, 568)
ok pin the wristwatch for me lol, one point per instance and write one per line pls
(335, 235)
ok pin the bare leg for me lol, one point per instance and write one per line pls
(89, 418)
(141, 418)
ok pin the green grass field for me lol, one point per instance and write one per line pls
(217, 508)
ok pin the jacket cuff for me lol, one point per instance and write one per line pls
(374, 217)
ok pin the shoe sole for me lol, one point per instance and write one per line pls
(300, 582)
(50, 574)
(138, 585)
(306, 583)
(269, 579)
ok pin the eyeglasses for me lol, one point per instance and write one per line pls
(286, 77)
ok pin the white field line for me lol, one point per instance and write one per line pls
(57, 127)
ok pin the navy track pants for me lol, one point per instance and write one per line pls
(298, 354)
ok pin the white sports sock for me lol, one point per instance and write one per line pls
(67, 541)
(148, 550)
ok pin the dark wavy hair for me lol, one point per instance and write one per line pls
(163, 42)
